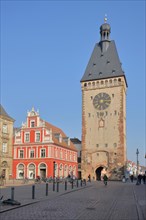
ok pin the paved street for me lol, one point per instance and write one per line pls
(122, 201)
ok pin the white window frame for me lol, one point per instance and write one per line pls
(32, 121)
(27, 133)
(5, 128)
(20, 153)
(36, 133)
(31, 150)
(5, 147)
(44, 150)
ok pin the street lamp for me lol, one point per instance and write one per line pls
(53, 169)
(137, 152)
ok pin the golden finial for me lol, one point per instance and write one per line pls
(105, 18)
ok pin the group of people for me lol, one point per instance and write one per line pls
(141, 178)
(105, 179)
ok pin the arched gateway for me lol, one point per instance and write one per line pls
(98, 173)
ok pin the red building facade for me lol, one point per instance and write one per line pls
(41, 149)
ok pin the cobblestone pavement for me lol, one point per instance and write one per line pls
(122, 201)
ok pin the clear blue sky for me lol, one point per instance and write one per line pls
(45, 48)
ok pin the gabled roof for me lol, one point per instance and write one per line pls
(103, 65)
(4, 113)
(56, 130)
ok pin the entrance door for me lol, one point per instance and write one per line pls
(98, 173)
(43, 173)
(42, 169)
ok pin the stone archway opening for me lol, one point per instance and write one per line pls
(98, 173)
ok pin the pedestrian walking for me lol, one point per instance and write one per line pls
(131, 178)
(89, 178)
(105, 179)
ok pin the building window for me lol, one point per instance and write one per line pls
(115, 144)
(21, 154)
(37, 137)
(97, 145)
(101, 123)
(31, 153)
(61, 155)
(32, 124)
(27, 137)
(43, 152)
(106, 145)
(5, 128)
(89, 114)
(4, 148)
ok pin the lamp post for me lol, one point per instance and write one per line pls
(137, 152)
(54, 170)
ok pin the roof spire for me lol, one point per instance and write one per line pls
(105, 18)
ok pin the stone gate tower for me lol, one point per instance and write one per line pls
(104, 111)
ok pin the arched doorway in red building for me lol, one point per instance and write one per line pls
(98, 173)
(42, 170)
(31, 171)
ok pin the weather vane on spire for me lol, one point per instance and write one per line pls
(105, 18)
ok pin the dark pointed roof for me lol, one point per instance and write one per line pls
(4, 113)
(103, 65)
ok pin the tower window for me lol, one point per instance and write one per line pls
(106, 145)
(97, 145)
(101, 123)
(115, 112)
(100, 73)
(91, 97)
(113, 95)
(85, 84)
(115, 144)
(89, 114)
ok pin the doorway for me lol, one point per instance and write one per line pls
(43, 170)
(98, 173)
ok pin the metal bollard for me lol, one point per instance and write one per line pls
(81, 182)
(33, 191)
(65, 185)
(77, 183)
(53, 185)
(57, 186)
(72, 184)
(12, 193)
(46, 189)
(85, 182)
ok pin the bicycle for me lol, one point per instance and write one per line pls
(26, 180)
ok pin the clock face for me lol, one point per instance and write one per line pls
(101, 101)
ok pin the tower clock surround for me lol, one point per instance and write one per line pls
(104, 88)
